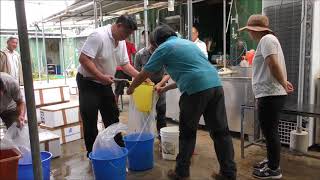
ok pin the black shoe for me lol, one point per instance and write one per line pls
(260, 164)
(267, 173)
(219, 176)
(172, 175)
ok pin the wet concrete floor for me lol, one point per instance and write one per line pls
(74, 165)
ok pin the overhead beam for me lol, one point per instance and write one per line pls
(86, 11)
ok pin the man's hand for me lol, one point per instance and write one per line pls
(148, 81)
(160, 89)
(289, 87)
(21, 121)
(130, 90)
(106, 79)
(158, 86)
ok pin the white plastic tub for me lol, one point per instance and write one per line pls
(170, 142)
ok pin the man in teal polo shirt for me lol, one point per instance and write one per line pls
(202, 94)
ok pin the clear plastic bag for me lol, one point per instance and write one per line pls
(20, 139)
(104, 146)
(3, 130)
(142, 122)
(6, 143)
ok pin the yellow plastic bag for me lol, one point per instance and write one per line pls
(142, 97)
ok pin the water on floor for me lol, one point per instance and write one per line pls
(74, 165)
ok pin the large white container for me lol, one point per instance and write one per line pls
(73, 90)
(299, 141)
(170, 142)
(50, 142)
(45, 94)
(60, 114)
(37, 114)
(67, 133)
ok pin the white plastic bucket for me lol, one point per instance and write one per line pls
(170, 142)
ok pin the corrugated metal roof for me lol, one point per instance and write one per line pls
(83, 10)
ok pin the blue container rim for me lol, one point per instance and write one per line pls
(125, 150)
(42, 160)
(125, 138)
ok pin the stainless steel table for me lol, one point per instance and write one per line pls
(304, 110)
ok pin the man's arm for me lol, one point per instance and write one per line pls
(21, 112)
(163, 89)
(89, 66)
(170, 86)
(276, 71)
(163, 81)
(3, 63)
(142, 76)
(138, 64)
(130, 70)
(20, 73)
(18, 98)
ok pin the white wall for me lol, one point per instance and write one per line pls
(315, 54)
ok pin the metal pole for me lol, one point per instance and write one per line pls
(229, 16)
(224, 33)
(63, 69)
(37, 46)
(44, 51)
(301, 62)
(101, 15)
(190, 19)
(180, 20)
(95, 13)
(145, 7)
(28, 88)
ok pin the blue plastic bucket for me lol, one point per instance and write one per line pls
(140, 148)
(110, 166)
(25, 170)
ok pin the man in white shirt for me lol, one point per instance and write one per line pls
(198, 42)
(103, 51)
(10, 60)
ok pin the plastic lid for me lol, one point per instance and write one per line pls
(170, 130)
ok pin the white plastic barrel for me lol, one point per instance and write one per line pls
(170, 142)
(299, 141)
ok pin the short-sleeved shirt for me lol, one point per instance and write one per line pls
(100, 46)
(263, 82)
(12, 93)
(142, 58)
(14, 60)
(131, 50)
(186, 65)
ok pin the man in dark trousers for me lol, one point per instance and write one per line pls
(202, 94)
(103, 51)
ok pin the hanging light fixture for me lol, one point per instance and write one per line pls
(170, 5)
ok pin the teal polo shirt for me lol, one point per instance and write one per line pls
(186, 65)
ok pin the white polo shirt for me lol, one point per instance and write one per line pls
(202, 46)
(100, 46)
